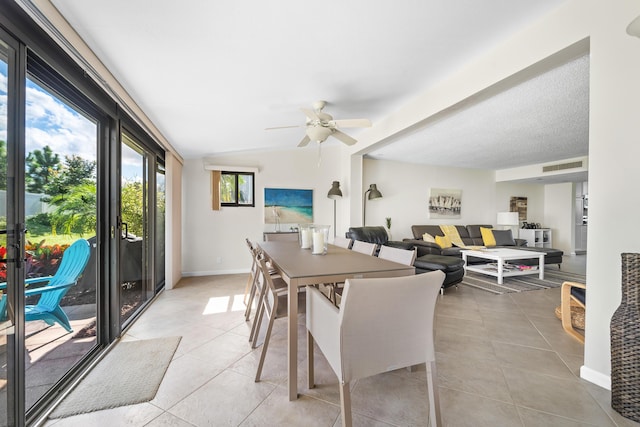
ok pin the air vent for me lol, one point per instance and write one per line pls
(562, 166)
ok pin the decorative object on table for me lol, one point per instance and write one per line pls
(445, 203)
(374, 193)
(288, 206)
(519, 204)
(334, 193)
(306, 235)
(625, 342)
(508, 220)
(320, 239)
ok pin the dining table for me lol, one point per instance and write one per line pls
(299, 267)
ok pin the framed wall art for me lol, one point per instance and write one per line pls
(288, 206)
(519, 204)
(445, 203)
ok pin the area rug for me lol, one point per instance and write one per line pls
(552, 279)
(130, 373)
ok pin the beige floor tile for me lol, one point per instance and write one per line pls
(532, 359)
(168, 420)
(531, 418)
(276, 410)
(226, 400)
(462, 409)
(563, 397)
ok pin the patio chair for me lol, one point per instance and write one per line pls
(383, 324)
(48, 309)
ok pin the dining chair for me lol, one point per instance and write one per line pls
(343, 242)
(382, 324)
(572, 294)
(258, 291)
(401, 256)
(363, 247)
(249, 289)
(273, 306)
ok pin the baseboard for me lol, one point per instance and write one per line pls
(595, 377)
(213, 272)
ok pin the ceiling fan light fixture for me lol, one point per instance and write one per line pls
(318, 133)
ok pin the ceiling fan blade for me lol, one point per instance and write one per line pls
(282, 127)
(304, 141)
(352, 123)
(343, 137)
(310, 114)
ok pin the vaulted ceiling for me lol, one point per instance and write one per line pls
(212, 75)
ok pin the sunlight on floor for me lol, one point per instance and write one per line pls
(224, 304)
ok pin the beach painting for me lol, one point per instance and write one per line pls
(288, 206)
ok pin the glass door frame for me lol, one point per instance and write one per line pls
(16, 71)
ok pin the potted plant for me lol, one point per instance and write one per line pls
(387, 221)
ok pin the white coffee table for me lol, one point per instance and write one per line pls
(501, 256)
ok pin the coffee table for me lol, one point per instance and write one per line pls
(500, 256)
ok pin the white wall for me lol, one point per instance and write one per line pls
(534, 194)
(405, 194)
(214, 241)
(559, 208)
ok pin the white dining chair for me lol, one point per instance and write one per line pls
(363, 247)
(402, 256)
(343, 242)
(382, 324)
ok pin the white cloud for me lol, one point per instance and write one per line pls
(51, 122)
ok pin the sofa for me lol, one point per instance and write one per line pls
(451, 266)
(471, 235)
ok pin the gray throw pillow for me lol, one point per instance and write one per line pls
(504, 238)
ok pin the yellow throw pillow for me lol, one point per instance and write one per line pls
(443, 241)
(487, 236)
(428, 238)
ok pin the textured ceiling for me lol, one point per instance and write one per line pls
(545, 118)
(213, 74)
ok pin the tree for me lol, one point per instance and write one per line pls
(75, 210)
(132, 204)
(75, 171)
(41, 167)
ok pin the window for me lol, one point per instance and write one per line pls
(237, 189)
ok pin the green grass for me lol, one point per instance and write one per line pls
(51, 239)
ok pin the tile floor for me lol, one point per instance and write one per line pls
(503, 360)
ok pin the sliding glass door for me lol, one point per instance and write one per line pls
(135, 246)
(8, 270)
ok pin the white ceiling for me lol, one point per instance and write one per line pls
(213, 74)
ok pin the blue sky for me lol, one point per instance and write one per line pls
(49, 121)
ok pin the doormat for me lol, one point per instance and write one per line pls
(130, 373)
(552, 279)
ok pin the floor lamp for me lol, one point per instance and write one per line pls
(373, 194)
(334, 193)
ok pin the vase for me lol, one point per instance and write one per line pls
(625, 342)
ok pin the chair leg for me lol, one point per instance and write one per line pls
(434, 397)
(263, 353)
(250, 298)
(311, 383)
(345, 404)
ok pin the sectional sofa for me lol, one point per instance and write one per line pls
(471, 235)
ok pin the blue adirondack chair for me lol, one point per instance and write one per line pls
(73, 262)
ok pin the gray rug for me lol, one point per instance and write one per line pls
(130, 373)
(553, 278)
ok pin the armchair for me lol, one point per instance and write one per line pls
(382, 324)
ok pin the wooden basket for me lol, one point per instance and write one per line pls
(577, 316)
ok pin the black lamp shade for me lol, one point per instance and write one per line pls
(373, 192)
(335, 192)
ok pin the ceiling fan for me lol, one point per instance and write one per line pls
(320, 126)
